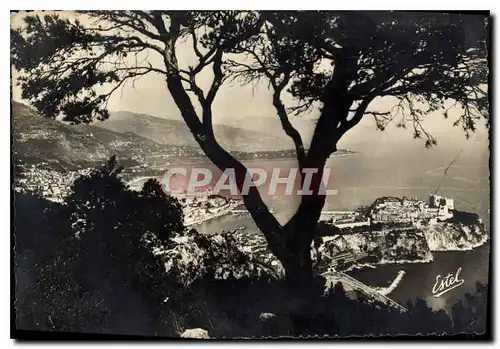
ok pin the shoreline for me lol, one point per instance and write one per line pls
(255, 160)
(204, 219)
(423, 257)
(464, 249)
(383, 262)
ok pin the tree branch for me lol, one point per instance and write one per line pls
(219, 156)
(124, 19)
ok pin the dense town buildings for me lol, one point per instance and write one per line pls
(387, 210)
(412, 210)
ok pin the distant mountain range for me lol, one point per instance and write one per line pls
(168, 131)
(38, 140)
(142, 143)
(271, 125)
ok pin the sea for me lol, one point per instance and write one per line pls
(458, 173)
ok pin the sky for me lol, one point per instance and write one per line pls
(149, 95)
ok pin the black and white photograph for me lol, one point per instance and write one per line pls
(250, 174)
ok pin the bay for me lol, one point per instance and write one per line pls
(364, 177)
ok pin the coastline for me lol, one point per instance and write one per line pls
(207, 161)
(464, 249)
(383, 261)
(423, 255)
(204, 219)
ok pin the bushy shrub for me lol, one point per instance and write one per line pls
(101, 201)
(104, 262)
(39, 234)
(469, 315)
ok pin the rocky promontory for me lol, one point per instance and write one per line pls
(396, 230)
(370, 247)
(465, 231)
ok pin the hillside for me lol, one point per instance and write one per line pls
(271, 125)
(143, 144)
(60, 146)
(168, 131)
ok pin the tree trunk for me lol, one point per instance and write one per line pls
(297, 261)
(290, 243)
(299, 234)
(332, 125)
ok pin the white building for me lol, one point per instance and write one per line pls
(443, 204)
(441, 201)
